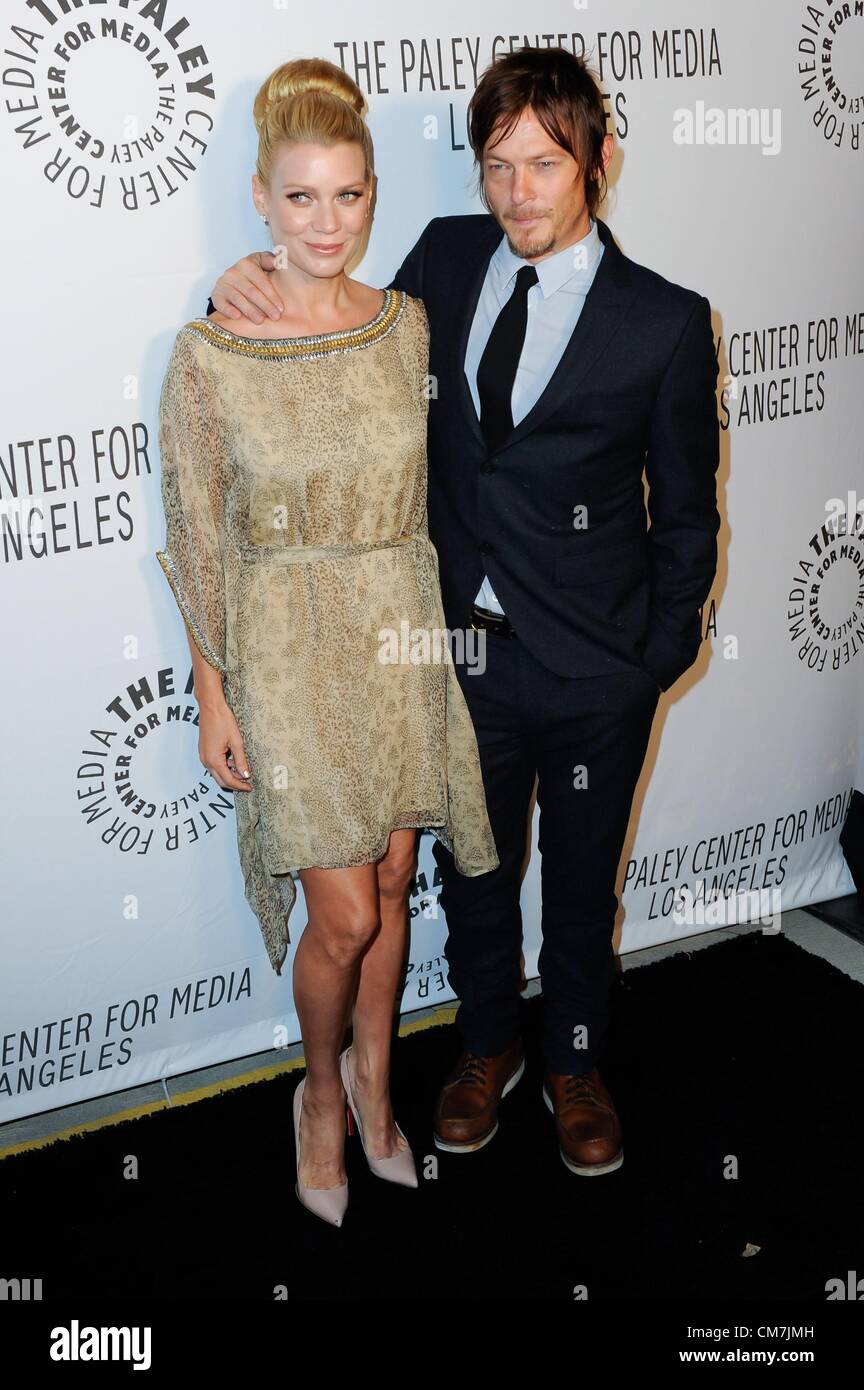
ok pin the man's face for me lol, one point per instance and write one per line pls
(535, 189)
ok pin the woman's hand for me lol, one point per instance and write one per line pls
(218, 731)
(246, 290)
(218, 735)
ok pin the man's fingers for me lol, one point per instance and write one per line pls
(246, 297)
(224, 306)
(253, 278)
(233, 303)
(246, 290)
(257, 287)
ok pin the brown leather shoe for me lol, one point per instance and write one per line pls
(589, 1132)
(466, 1113)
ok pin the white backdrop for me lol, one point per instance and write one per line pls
(129, 952)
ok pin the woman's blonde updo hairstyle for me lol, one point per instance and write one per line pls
(312, 101)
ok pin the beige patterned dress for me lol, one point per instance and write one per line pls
(294, 489)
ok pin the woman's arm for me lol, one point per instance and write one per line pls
(218, 731)
(194, 487)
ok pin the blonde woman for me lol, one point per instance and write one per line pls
(294, 489)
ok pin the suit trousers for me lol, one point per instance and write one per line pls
(585, 739)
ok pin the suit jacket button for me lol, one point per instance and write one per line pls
(487, 548)
(487, 468)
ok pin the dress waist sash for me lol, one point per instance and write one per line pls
(299, 554)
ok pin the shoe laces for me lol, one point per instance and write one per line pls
(473, 1070)
(581, 1088)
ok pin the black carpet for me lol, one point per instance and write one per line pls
(749, 1050)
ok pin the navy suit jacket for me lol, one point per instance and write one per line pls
(634, 391)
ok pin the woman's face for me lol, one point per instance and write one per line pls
(317, 199)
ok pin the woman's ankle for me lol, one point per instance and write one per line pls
(371, 1074)
(324, 1096)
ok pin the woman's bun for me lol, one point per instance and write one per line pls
(306, 75)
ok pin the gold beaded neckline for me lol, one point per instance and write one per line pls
(311, 346)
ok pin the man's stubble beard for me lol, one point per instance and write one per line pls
(530, 249)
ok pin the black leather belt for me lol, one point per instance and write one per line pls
(482, 618)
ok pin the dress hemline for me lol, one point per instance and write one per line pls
(433, 827)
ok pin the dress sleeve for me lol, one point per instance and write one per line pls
(194, 485)
(414, 350)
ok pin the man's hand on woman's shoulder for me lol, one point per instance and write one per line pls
(245, 289)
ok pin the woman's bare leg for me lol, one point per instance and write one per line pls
(380, 976)
(342, 918)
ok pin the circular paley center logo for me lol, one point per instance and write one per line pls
(115, 100)
(140, 786)
(825, 610)
(830, 63)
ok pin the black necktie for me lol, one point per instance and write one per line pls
(497, 370)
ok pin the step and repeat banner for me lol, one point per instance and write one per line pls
(129, 951)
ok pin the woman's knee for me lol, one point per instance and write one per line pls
(395, 872)
(348, 931)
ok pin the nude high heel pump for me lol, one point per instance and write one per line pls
(399, 1167)
(330, 1203)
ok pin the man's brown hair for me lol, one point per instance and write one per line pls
(565, 95)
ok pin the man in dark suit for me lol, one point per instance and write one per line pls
(561, 371)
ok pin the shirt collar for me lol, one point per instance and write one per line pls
(564, 268)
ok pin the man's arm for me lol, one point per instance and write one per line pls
(409, 276)
(246, 288)
(681, 465)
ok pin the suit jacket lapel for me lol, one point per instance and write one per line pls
(606, 304)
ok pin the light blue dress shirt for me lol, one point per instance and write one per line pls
(554, 306)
